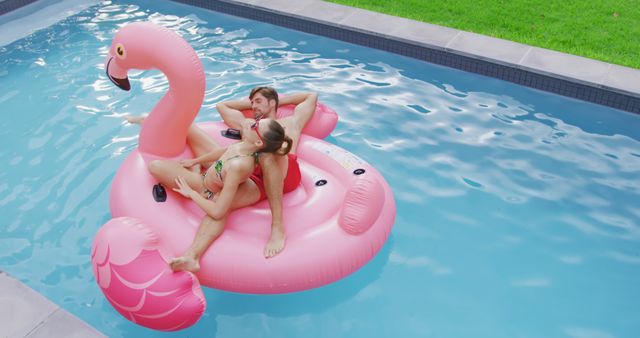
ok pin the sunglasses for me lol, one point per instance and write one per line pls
(255, 126)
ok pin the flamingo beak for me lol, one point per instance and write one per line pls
(117, 75)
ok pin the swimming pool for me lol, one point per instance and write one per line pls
(517, 210)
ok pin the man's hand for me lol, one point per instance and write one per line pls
(231, 112)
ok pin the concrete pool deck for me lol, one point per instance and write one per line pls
(26, 313)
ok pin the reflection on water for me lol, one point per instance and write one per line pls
(517, 210)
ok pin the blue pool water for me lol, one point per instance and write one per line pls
(518, 211)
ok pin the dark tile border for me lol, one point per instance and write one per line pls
(558, 85)
(7, 6)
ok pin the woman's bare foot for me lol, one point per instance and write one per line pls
(134, 119)
(185, 263)
(276, 242)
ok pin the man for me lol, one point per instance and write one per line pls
(264, 101)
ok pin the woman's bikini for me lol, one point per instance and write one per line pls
(291, 181)
(217, 167)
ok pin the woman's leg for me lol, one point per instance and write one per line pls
(166, 172)
(200, 142)
(210, 229)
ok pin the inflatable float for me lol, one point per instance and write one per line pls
(336, 220)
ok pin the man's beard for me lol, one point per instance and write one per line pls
(258, 114)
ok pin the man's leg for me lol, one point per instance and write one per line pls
(273, 175)
(274, 170)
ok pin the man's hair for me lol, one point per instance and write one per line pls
(268, 92)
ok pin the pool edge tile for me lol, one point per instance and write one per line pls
(566, 65)
(488, 48)
(321, 12)
(623, 77)
(437, 37)
(277, 5)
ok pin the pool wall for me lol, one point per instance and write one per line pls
(568, 75)
(10, 5)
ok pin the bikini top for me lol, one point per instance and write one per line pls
(217, 165)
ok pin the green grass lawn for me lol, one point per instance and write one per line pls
(607, 30)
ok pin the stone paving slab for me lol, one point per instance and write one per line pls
(291, 6)
(26, 313)
(623, 78)
(569, 66)
(488, 48)
(367, 21)
(431, 35)
(324, 12)
(21, 309)
(63, 324)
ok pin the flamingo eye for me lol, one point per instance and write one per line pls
(120, 51)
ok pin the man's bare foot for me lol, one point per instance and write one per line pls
(276, 242)
(185, 263)
(134, 119)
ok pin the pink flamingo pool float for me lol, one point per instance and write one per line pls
(337, 219)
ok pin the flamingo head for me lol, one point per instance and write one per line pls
(115, 65)
(131, 48)
(144, 46)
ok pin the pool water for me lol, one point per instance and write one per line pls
(518, 211)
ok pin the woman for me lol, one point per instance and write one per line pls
(231, 173)
(231, 179)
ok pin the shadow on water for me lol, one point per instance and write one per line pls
(315, 301)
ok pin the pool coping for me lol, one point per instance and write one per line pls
(547, 70)
(26, 313)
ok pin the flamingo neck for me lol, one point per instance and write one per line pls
(164, 131)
